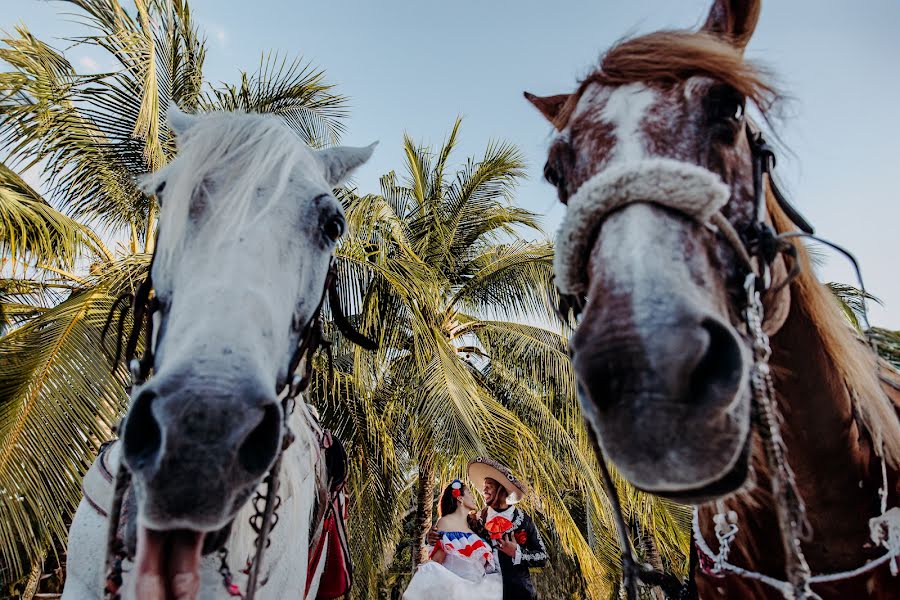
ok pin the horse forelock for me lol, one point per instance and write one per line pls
(232, 156)
(669, 57)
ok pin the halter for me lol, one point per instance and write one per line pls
(663, 182)
(266, 505)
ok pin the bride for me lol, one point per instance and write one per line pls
(462, 565)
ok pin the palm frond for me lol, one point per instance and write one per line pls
(58, 402)
(887, 343)
(852, 302)
(509, 280)
(80, 128)
(32, 230)
(293, 90)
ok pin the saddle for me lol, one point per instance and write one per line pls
(328, 531)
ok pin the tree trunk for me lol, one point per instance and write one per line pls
(650, 554)
(424, 512)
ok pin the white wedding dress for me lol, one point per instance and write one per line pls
(469, 571)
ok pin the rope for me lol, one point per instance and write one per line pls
(783, 586)
(721, 564)
(115, 552)
(789, 507)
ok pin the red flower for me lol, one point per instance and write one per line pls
(456, 493)
(521, 536)
(498, 526)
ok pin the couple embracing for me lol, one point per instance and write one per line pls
(482, 555)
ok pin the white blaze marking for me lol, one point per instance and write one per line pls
(625, 111)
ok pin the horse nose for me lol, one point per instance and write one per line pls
(693, 360)
(179, 433)
(141, 435)
(260, 447)
(716, 366)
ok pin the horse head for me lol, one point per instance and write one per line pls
(649, 151)
(248, 225)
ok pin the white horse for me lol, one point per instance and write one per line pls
(248, 225)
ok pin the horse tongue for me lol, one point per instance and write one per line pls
(167, 564)
(186, 550)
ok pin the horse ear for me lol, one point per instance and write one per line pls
(550, 106)
(179, 122)
(341, 161)
(734, 20)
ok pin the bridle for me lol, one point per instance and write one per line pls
(757, 249)
(311, 338)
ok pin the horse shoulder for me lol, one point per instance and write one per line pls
(85, 554)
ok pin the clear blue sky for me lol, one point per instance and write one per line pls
(414, 66)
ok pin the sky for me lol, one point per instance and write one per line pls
(415, 66)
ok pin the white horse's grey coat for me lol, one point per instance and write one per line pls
(248, 225)
(285, 561)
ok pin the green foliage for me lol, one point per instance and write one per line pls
(853, 303)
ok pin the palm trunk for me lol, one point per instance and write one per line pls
(424, 512)
(650, 554)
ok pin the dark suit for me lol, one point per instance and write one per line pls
(517, 583)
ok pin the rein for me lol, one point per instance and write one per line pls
(757, 250)
(266, 505)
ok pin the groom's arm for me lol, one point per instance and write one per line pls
(532, 552)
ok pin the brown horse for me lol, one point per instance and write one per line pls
(647, 149)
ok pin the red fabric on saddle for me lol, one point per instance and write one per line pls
(338, 572)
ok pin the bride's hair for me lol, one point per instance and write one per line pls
(449, 500)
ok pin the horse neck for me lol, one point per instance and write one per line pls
(837, 472)
(297, 487)
(828, 447)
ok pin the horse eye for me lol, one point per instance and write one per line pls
(551, 175)
(559, 162)
(334, 228)
(726, 104)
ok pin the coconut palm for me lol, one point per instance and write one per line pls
(91, 137)
(853, 302)
(469, 362)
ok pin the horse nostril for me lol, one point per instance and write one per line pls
(142, 436)
(259, 448)
(720, 367)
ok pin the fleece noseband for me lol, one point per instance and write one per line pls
(683, 187)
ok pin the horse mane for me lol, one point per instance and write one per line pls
(853, 361)
(670, 57)
(238, 153)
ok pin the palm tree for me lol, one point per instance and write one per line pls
(468, 363)
(853, 303)
(90, 137)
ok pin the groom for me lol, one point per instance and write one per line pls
(516, 540)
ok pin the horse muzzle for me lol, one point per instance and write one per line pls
(196, 452)
(669, 403)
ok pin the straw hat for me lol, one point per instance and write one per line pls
(484, 467)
